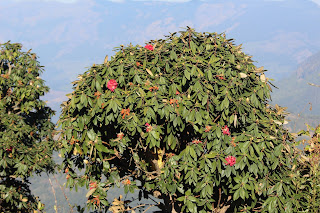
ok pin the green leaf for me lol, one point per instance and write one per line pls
(242, 193)
(90, 192)
(211, 155)
(181, 199)
(193, 47)
(83, 98)
(91, 134)
(213, 59)
(187, 74)
(192, 199)
(192, 153)
(155, 134)
(236, 194)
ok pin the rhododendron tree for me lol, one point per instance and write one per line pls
(196, 129)
(26, 130)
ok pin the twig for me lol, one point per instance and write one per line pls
(314, 85)
(189, 37)
(121, 179)
(216, 118)
(215, 47)
(67, 199)
(111, 158)
(218, 206)
(147, 173)
(54, 193)
(150, 207)
(130, 209)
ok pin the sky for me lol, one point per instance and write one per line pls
(71, 35)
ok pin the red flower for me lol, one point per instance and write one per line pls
(153, 88)
(170, 155)
(221, 77)
(93, 185)
(97, 94)
(177, 92)
(149, 47)
(196, 141)
(208, 128)
(112, 85)
(9, 150)
(225, 130)
(96, 200)
(230, 160)
(232, 142)
(149, 127)
(120, 135)
(126, 182)
(125, 112)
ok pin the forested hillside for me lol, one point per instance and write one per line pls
(296, 93)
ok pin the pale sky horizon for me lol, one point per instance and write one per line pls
(71, 35)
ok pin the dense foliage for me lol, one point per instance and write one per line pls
(25, 128)
(185, 119)
(306, 171)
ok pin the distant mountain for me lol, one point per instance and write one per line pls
(295, 93)
(302, 99)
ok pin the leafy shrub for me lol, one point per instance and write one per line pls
(306, 171)
(25, 128)
(185, 119)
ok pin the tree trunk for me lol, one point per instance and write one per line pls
(169, 205)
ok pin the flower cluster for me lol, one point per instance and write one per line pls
(93, 185)
(73, 140)
(230, 160)
(174, 101)
(112, 85)
(225, 130)
(208, 128)
(6, 76)
(221, 77)
(149, 47)
(97, 94)
(153, 88)
(9, 150)
(125, 112)
(149, 127)
(196, 141)
(120, 135)
(232, 141)
(96, 200)
(126, 182)
(169, 155)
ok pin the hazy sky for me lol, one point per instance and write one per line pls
(70, 35)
